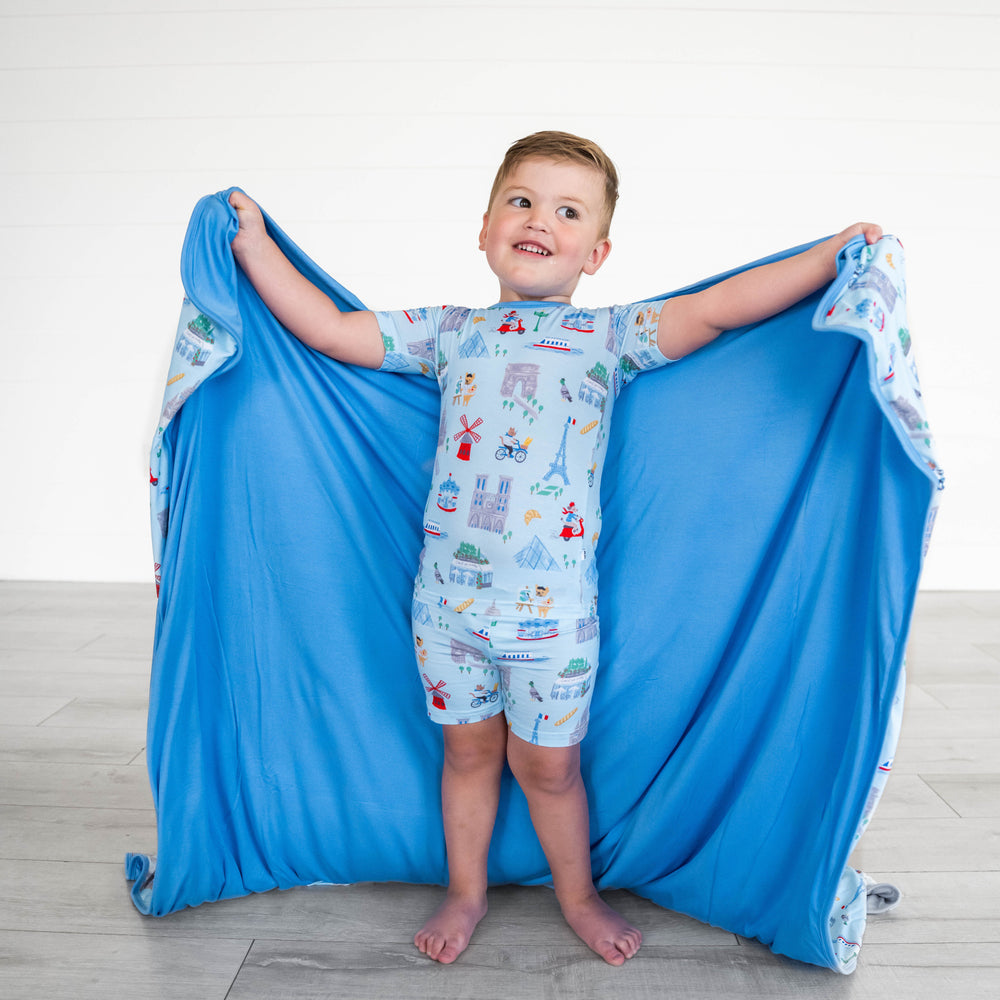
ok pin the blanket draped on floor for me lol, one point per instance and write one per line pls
(754, 607)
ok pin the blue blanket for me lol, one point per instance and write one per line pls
(782, 488)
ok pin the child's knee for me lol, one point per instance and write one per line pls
(549, 770)
(477, 746)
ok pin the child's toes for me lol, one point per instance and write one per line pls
(448, 953)
(629, 943)
(611, 953)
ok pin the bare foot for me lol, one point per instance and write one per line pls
(446, 935)
(603, 930)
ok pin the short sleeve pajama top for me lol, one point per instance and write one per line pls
(505, 599)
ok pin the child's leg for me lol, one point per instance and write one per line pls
(474, 757)
(551, 781)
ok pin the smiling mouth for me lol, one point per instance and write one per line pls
(532, 248)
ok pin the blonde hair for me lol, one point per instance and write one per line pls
(562, 146)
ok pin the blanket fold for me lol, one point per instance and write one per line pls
(754, 607)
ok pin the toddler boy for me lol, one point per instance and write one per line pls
(507, 585)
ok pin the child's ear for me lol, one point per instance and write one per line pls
(482, 232)
(597, 256)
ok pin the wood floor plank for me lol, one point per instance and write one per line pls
(102, 967)
(947, 605)
(942, 982)
(939, 907)
(961, 696)
(93, 683)
(72, 662)
(74, 621)
(114, 710)
(54, 744)
(29, 710)
(946, 755)
(57, 600)
(918, 698)
(882, 974)
(934, 633)
(120, 644)
(49, 833)
(276, 969)
(941, 660)
(93, 786)
(945, 954)
(929, 845)
(908, 796)
(66, 637)
(943, 722)
(968, 794)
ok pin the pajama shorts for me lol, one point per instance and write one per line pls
(537, 670)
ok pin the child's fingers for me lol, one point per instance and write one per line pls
(248, 215)
(872, 232)
(243, 204)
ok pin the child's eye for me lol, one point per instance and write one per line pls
(568, 213)
(519, 201)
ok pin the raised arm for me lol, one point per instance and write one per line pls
(352, 337)
(688, 322)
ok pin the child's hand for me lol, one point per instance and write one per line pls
(251, 232)
(869, 230)
(828, 250)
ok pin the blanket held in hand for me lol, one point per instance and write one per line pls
(754, 609)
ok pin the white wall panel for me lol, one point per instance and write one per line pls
(795, 145)
(537, 35)
(690, 90)
(957, 8)
(371, 132)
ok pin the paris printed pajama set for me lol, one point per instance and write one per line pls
(505, 600)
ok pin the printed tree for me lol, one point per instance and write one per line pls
(628, 367)
(470, 552)
(599, 374)
(578, 665)
(203, 327)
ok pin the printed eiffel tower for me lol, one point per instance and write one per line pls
(558, 464)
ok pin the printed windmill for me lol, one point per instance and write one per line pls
(437, 692)
(467, 436)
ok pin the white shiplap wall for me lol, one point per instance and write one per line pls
(371, 132)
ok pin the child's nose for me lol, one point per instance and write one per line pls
(537, 221)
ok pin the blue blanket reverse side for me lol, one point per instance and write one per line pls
(781, 489)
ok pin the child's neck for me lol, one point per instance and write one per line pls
(516, 301)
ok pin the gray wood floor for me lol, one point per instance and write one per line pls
(74, 797)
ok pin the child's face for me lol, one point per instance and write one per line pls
(543, 230)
